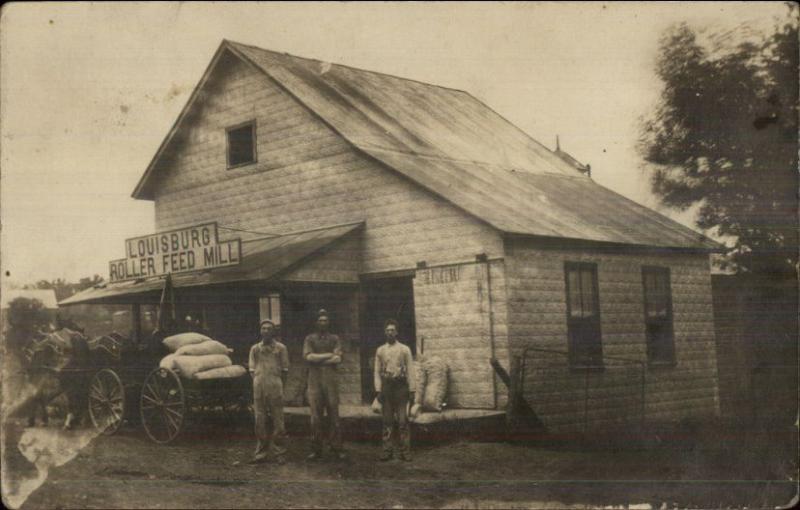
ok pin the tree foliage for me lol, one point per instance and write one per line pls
(26, 317)
(724, 136)
(65, 289)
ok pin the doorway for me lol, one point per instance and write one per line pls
(384, 298)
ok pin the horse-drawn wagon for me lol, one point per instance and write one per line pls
(121, 380)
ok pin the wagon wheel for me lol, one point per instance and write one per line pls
(162, 405)
(106, 401)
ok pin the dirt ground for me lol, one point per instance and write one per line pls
(207, 469)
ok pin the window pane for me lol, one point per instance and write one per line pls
(275, 309)
(269, 307)
(587, 292)
(653, 296)
(240, 145)
(574, 293)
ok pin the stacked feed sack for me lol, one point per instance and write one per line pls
(196, 356)
(431, 384)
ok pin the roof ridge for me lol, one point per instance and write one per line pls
(527, 135)
(354, 68)
(495, 166)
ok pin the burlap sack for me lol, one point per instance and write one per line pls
(420, 379)
(203, 348)
(188, 366)
(168, 361)
(175, 342)
(222, 373)
(435, 370)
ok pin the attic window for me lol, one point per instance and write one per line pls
(241, 144)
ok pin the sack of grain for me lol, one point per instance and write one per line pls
(421, 380)
(190, 365)
(222, 373)
(175, 342)
(168, 361)
(376, 406)
(435, 370)
(203, 348)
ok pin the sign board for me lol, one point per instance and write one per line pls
(439, 275)
(194, 248)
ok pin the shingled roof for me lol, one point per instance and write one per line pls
(460, 149)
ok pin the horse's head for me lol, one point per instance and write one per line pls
(67, 323)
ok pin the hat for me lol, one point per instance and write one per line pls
(322, 313)
(266, 321)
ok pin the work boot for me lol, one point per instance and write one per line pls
(314, 456)
(406, 457)
(385, 456)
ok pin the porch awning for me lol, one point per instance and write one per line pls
(262, 259)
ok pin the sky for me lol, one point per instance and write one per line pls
(89, 90)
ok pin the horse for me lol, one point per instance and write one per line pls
(58, 363)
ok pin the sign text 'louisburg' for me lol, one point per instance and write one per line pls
(193, 248)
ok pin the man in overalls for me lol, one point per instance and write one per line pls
(269, 365)
(322, 351)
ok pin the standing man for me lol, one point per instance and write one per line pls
(322, 351)
(394, 382)
(269, 364)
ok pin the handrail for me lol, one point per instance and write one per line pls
(641, 368)
(566, 354)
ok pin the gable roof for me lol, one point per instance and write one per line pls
(460, 149)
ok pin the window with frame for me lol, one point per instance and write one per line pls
(241, 141)
(269, 307)
(583, 315)
(658, 315)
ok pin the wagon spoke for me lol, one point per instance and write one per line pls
(95, 393)
(149, 399)
(170, 423)
(113, 392)
(174, 412)
(101, 388)
(152, 391)
(106, 401)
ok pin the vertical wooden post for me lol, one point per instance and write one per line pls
(585, 401)
(643, 396)
(136, 319)
(514, 393)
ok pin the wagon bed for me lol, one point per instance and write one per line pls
(132, 385)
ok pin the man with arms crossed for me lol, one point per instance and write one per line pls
(322, 351)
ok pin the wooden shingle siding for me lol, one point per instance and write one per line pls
(453, 318)
(537, 318)
(306, 176)
(341, 263)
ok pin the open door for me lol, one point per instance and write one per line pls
(384, 298)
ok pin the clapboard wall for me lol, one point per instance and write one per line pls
(454, 323)
(308, 177)
(537, 318)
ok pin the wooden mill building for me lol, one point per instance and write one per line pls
(375, 196)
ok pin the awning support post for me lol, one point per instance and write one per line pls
(136, 318)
